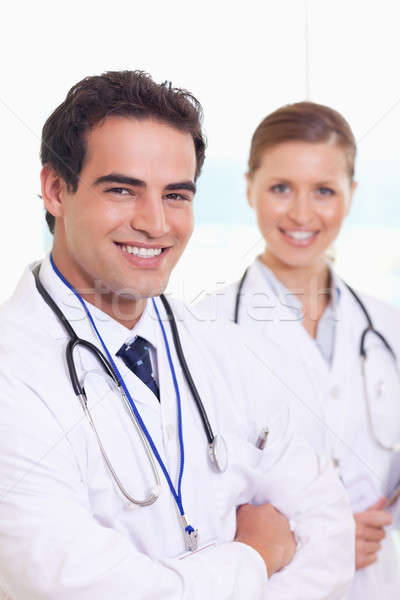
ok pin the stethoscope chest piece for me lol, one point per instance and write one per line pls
(219, 453)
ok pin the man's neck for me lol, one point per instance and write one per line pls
(124, 310)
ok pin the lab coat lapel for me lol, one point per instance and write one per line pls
(280, 326)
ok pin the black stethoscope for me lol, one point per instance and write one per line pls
(363, 353)
(216, 444)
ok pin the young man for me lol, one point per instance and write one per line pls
(108, 498)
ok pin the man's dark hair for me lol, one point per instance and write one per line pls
(118, 93)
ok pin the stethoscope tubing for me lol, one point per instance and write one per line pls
(186, 372)
(369, 328)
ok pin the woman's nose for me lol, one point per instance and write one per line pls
(301, 210)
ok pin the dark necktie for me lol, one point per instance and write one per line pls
(137, 359)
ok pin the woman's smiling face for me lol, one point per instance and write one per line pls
(301, 193)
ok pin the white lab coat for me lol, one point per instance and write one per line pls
(329, 401)
(67, 532)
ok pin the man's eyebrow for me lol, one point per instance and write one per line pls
(120, 179)
(182, 185)
(117, 178)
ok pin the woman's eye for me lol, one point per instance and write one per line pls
(325, 191)
(280, 188)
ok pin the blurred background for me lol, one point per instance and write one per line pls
(242, 59)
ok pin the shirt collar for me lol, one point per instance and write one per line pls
(335, 290)
(281, 291)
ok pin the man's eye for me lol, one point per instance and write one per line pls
(176, 196)
(119, 191)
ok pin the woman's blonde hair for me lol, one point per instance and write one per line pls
(303, 122)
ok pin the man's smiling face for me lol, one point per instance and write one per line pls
(126, 226)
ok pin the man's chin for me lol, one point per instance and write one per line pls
(138, 293)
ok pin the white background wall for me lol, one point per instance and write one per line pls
(242, 59)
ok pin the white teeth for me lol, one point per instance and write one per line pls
(142, 252)
(300, 235)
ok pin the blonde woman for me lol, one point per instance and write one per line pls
(314, 328)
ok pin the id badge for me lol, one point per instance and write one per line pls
(362, 493)
(207, 546)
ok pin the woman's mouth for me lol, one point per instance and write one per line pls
(299, 237)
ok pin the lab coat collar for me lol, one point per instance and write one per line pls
(113, 333)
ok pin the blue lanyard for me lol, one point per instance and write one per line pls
(191, 533)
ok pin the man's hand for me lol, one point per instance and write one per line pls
(267, 531)
(370, 532)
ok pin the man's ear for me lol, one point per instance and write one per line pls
(53, 189)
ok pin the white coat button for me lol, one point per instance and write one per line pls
(380, 388)
(335, 392)
(170, 432)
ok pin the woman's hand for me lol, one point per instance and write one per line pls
(370, 532)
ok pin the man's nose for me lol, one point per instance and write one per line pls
(149, 216)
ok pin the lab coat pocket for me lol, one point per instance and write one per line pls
(239, 483)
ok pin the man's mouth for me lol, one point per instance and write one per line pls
(142, 252)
